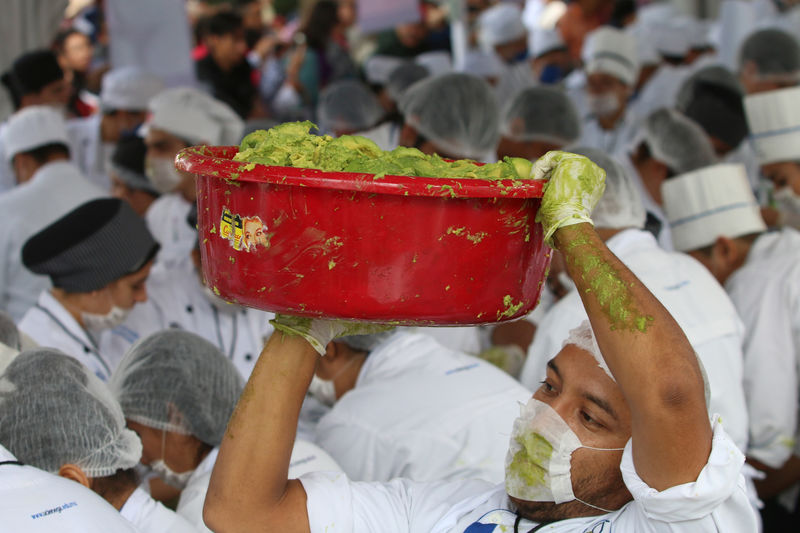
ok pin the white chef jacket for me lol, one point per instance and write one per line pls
(715, 502)
(8, 180)
(471, 340)
(422, 411)
(33, 501)
(306, 457)
(52, 326)
(166, 220)
(662, 89)
(386, 135)
(766, 291)
(696, 301)
(88, 150)
(151, 516)
(175, 300)
(54, 190)
(614, 141)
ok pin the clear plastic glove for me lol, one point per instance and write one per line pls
(574, 187)
(319, 332)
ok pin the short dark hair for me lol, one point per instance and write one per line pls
(110, 487)
(43, 154)
(223, 23)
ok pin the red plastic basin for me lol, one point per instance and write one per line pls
(404, 250)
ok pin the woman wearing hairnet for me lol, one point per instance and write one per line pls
(178, 391)
(58, 417)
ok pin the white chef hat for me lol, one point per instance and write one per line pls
(34, 127)
(670, 37)
(128, 88)
(708, 203)
(774, 120)
(500, 24)
(646, 51)
(544, 40)
(194, 116)
(613, 52)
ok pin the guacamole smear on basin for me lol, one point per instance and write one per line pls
(292, 145)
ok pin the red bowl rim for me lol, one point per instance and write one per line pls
(216, 162)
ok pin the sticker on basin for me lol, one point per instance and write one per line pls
(243, 233)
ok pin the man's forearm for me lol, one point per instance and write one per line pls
(649, 356)
(250, 474)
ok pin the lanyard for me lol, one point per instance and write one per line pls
(89, 349)
(534, 530)
(219, 332)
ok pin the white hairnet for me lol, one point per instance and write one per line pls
(348, 106)
(583, 337)
(676, 141)
(9, 334)
(621, 205)
(404, 77)
(712, 74)
(177, 381)
(541, 114)
(500, 24)
(53, 411)
(365, 343)
(195, 116)
(129, 88)
(457, 112)
(774, 53)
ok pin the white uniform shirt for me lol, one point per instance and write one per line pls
(715, 502)
(696, 301)
(151, 516)
(614, 141)
(33, 501)
(421, 411)
(306, 457)
(7, 178)
(766, 291)
(56, 189)
(166, 220)
(664, 236)
(52, 326)
(175, 300)
(89, 152)
(514, 80)
(471, 340)
(386, 135)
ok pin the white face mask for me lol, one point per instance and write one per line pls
(162, 174)
(179, 480)
(323, 389)
(110, 320)
(602, 105)
(538, 460)
(787, 200)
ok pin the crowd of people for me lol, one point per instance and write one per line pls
(654, 388)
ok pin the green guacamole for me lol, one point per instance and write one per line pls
(292, 145)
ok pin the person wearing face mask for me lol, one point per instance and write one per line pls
(55, 415)
(181, 300)
(180, 117)
(687, 290)
(548, 63)
(404, 405)
(716, 219)
(98, 257)
(124, 96)
(48, 186)
(617, 438)
(774, 118)
(612, 70)
(35, 79)
(502, 33)
(177, 392)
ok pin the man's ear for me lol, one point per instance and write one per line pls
(725, 249)
(74, 472)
